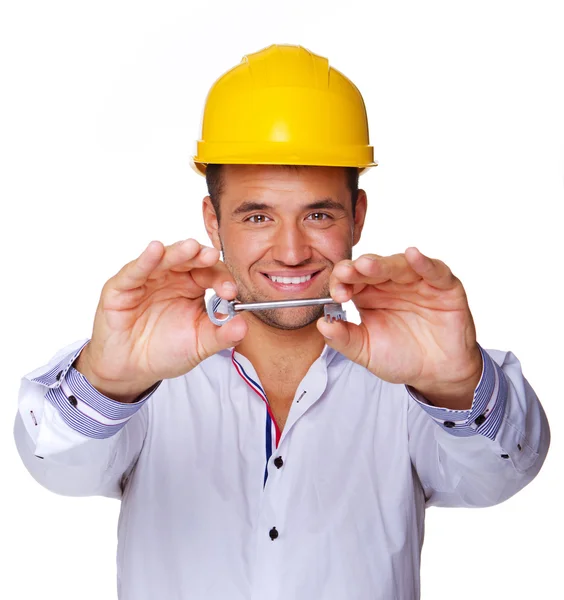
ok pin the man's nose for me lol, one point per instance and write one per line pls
(291, 245)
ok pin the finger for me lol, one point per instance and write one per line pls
(349, 277)
(373, 269)
(187, 255)
(183, 255)
(435, 272)
(136, 273)
(347, 338)
(216, 277)
(343, 292)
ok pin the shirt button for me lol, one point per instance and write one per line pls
(448, 424)
(73, 400)
(273, 533)
(59, 375)
(479, 420)
(278, 462)
(505, 456)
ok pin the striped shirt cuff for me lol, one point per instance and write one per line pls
(488, 405)
(82, 406)
(52, 377)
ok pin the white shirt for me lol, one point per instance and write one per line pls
(341, 514)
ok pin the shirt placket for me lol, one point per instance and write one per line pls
(272, 543)
(272, 432)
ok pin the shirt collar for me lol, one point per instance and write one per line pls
(327, 354)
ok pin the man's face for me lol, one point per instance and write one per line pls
(281, 232)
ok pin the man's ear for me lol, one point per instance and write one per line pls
(211, 222)
(359, 215)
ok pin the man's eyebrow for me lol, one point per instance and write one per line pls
(249, 206)
(327, 203)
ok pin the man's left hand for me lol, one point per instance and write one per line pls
(416, 327)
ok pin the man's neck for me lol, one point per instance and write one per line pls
(279, 352)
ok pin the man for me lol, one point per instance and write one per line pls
(280, 455)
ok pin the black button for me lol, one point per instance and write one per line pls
(273, 533)
(278, 462)
(505, 456)
(73, 400)
(448, 424)
(59, 375)
(479, 420)
(37, 456)
(519, 446)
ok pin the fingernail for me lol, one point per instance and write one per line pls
(206, 250)
(340, 289)
(230, 287)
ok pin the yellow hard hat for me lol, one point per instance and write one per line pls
(284, 105)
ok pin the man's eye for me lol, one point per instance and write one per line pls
(319, 216)
(258, 218)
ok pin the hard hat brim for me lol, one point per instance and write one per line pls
(200, 167)
(274, 154)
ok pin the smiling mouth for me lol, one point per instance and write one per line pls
(291, 280)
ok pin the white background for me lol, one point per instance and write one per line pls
(100, 108)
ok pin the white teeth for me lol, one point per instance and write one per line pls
(290, 279)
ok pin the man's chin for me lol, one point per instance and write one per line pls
(301, 317)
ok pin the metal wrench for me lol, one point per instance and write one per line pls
(333, 311)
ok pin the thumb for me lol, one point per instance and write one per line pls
(221, 337)
(349, 339)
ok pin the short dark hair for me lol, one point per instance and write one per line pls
(214, 182)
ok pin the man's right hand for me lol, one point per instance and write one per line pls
(151, 322)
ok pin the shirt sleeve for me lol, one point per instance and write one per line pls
(73, 439)
(485, 415)
(81, 406)
(485, 455)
